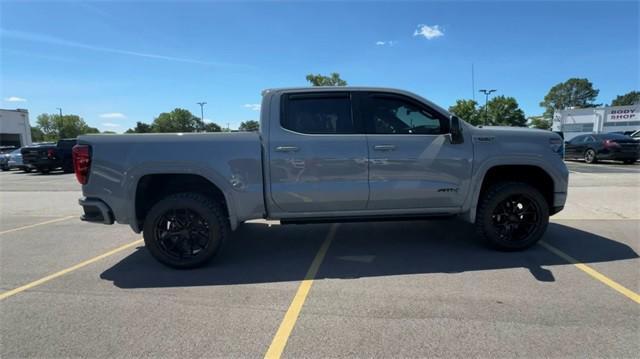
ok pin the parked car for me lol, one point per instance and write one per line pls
(635, 135)
(4, 156)
(323, 155)
(4, 161)
(15, 161)
(603, 146)
(48, 157)
(11, 160)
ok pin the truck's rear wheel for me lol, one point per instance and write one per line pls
(512, 216)
(185, 230)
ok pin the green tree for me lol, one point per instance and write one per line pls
(331, 80)
(466, 110)
(212, 127)
(178, 120)
(250, 125)
(36, 134)
(109, 132)
(55, 127)
(540, 122)
(630, 98)
(502, 111)
(141, 127)
(574, 92)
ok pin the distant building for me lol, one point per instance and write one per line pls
(574, 122)
(15, 129)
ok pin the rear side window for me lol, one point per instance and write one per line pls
(578, 139)
(328, 113)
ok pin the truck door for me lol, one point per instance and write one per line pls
(412, 162)
(317, 155)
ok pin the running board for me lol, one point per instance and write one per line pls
(376, 218)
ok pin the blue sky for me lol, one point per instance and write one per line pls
(115, 63)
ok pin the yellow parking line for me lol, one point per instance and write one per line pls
(594, 273)
(37, 224)
(68, 270)
(289, 321)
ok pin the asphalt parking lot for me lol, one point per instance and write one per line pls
(406, 289)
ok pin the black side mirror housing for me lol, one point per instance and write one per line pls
(455, 130)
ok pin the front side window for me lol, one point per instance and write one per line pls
(318, 114)
(392, 115)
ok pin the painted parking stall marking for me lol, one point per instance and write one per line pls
(279, 341)
(43, 280)
(37, 224)
(593, 273)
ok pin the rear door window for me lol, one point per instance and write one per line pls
(318, 113)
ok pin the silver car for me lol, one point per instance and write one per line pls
(15, 161)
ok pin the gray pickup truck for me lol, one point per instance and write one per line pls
(323, 155)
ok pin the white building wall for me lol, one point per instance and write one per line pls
(15, 123)
(579, 121)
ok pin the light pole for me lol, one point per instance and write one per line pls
(202, 113)
(486, 100)
(59, 109)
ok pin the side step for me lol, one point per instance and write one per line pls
(376, 218)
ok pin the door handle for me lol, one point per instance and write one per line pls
(384, 147)
(287, 149)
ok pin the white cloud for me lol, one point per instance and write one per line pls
(386, 43)
(109, 124)
(113, 115)
(15, 99)
(429, 32)
(252, 106)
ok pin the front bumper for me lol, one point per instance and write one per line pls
(95, 211)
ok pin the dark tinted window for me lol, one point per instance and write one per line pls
(396, 115)
(578, 139)
(318, 114)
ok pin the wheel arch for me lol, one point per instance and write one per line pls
(535, 174)
(150, 187)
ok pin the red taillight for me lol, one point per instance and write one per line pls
(81, 162)
(51, 153)
(610, 144)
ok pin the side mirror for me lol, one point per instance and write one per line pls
(455, 130)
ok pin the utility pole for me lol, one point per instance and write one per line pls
(59, 109)
(486, 100)
(473, 83)
(202, 113)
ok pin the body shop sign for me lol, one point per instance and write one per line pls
(626, 113)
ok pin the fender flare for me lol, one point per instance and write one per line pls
(133, 176)
(471, 202)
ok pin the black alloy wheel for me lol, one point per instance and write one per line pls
(512, 215)
(515, 218)
(182, 233)
(185, 230)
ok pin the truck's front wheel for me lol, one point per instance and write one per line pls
(512, 216)
(185, 230)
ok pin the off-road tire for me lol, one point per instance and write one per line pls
(207, 209)
(497, 194)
